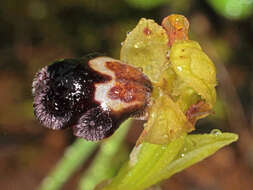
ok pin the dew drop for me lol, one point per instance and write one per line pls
(179, 68)
(216, 132)
(138, 45)
(181, 155)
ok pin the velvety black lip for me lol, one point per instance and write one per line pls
(63, 91)
(95, 124)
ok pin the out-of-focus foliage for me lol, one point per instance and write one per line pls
(73, 158)
(146, 4)
(233, 9)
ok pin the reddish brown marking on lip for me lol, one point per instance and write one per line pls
(147, 31)
(124, 92)
(125, 73)
(131, 84)
(115, 92)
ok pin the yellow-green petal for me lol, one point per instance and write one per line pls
(166, 122)
(146, 46)
(194, 67)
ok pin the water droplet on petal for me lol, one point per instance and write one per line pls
(138, 45)
(216, 132)
(179, 68)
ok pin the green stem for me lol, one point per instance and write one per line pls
(102, 167)
(73, 158)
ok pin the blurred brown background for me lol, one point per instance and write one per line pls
(33, 33)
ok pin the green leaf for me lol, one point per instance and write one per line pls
(195, 149)
(73, 158)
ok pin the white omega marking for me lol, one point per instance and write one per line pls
(102, 89)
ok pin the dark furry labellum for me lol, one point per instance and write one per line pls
(94, 97)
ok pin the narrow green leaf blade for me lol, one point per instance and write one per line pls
(73, 158)
(195, 149)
